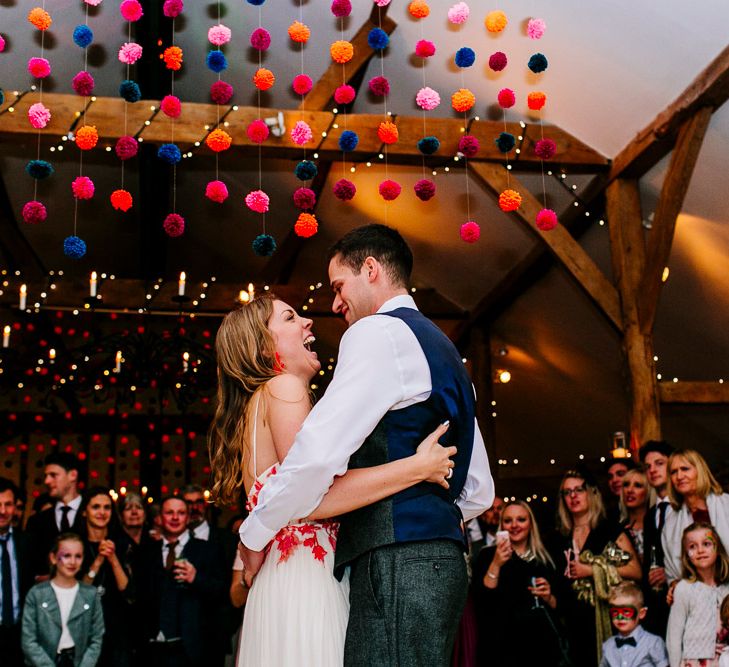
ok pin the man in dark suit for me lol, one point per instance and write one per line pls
(15, 577)
(179, 582)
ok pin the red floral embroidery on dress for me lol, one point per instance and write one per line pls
(295, 535)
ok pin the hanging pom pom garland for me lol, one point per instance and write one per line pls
(538, 63)
(174, 225)
(221, 92)
(257, 131)
(509, 200)
(34, 212)
(306, 225)
(82, 36)
(39, 68)
(465, 57)
(263, 79)
(129, 91)
(74, 247)
(459, 13)
(172, 57)
(463, 100)
(172, 8)
(298, 32)
(498, 61)
(219, 35)
(428, 145)
(304, 199)
(379, 86)
(87, 137)
(40, 18)
(348, 141)
(536, 100)
(121, 200)
(171, 106)
(257, 201)
(169, 153)
(506, 98)
(302, 84)
(260, 39)
(427, 99)
(536, 28)
(468, 146)
(496, 21)
(39, 169)
(129, 53)
(419, 9)
(470, 232)
(424, 49)
(341, 52)
(344, 190)
(83, 84)
(131, 10)
(216, 61)
(216, 191)
(344, 94)
(390, 190)
(39, 115)
(387, 132)
(424, 189)
(378, 39)
(341, 8)
(505, 142)
(264, 245)
(301, 133)
(545, 149)
(126, 147)
(546, 219)
(82, 187)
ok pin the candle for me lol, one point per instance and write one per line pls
(243, 296)
(251, 291)
(185, 361)
(181, 285)
(117, 368)
(52, 354)
(23, 296)
(92, 284)
(6, 336)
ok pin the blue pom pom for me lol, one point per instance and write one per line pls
(264, 245)
(129, 90)
(82, 36)
(216, 61)
(538, 63)
(428, 145)
(378, 39)
(256, 3)
(2, 97)
(74, 247)
(505, 142)
(348, 141)
(465, 57)
(39, 169)
(169, 153)
(306, 170)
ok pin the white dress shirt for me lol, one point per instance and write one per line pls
(182, 540)
(74, 506)
(381, 367)
(201, 531)
(649, 651)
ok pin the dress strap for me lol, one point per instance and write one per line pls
(255, 430)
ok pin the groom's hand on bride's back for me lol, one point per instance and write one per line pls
(435, 459)
(252, 561)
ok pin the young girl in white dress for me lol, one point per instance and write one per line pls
(296, 612)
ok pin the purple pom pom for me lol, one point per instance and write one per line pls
(344, 189)
(83, 84)
(221, 92)
(172, 8)
(468, 145)
(260, 39)
(174, 225)
(341, 8)
(379, 86)
(545, 149)
(126, 147)
(304, 199)
(497, 61)
(425, 189)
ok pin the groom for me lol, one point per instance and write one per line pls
(397, 377)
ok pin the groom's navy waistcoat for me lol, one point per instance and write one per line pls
(425, 511)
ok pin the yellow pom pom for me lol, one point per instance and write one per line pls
(496, 21)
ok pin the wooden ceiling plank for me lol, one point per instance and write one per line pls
(694, 392)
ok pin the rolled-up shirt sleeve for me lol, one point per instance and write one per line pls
(477, 494)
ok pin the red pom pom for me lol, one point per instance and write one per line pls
(39, 68)
(171, 106)
(390, 190)
(545, 149)
(506, 98)
(344, 94)
(468, 145)
(306, 225)
(470, 232)
(174, 225)
(304, 199)
(221, 92)
(216, 191)
(344, 190)
(257, 131)
(379, 86)
(82, 187)
(34, 212)
(126, 147)
(497, 61)
(425, 189)
(121, 200)
(424, 48)
(302, 84)
(83, 84)
(509, 200)
(546, 219)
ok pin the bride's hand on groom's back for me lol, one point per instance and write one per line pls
(434, 459)
(252, 561)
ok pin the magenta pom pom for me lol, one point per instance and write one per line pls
(424, 49)
(545, 149)
(497, 61)
(172, 8)
(506, 98)
(427, 98)
(344, 190)
(39, 115)
(536, 28)
(468, 145)
(174, 225)
(131, 10)
(304, 199)
(82, 187)
(390, 190)
(459, 13)
(34, 212)
(257, 131)
(171, 106)
(2, 44)
(83, 84)
(425, 189)
(302, 84)
(219, 35)
(301, 133)
(344, 94)
(382, 3)
(216, 191)
(260, 39)
(379, 86)
(470, 232)
(221, 92)
(39, 68)
(546, 219)
(257, 201)
(129, 53)
(126, 147)
(341, 8)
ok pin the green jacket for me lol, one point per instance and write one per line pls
(41, 631)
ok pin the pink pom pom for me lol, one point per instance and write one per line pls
(39, 115)
(301, 133)
(82, 187)
(379, 86)
(304, 199)
(2, 44)
(171, 106)
(34, 212)
(257, 201)
(257, 131)
(344, 190)
(390, 190)
(425, 189)
(219, 35)
(427, 99)
(126, 147)
(536, 28)
(506, 98)
(344, 94)
(260, 39)
(470, 232)
(39, 68)
(382, 3)
(172, 8)
(302, 84)
(129, 53)
(546, 219)
(341, 8)
(93, 3)
(468, 145)
(221, 92)
(216, 191)
(131, 10)
(174, 225)
(545, 149)
(497, 61)
(459, 13)
(424, 49)
(83, 84)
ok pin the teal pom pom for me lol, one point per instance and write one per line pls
(39, 169)
(348, 141)
(216, 61)
(82, 36)
(264, 245)
(169, 153)
(74, 247)
(2, 97)
(428, 145)
(505, 142)
(465, 57)
(306, 170)
(538, 63)
(129, 90)
(378, 39)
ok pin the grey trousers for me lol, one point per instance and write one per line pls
(406, 603)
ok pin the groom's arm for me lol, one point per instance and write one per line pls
(477, 494)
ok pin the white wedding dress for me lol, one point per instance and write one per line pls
(297, 612)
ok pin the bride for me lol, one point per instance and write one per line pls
(296, 613)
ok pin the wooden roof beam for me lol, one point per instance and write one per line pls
(694, 392)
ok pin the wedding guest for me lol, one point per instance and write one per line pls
(615, 470)
(133, 517)
(634, 503)
(695, 496)
(19, 514)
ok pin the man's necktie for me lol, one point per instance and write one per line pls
(170, 561)
(625, 641)
(8, 617)
(65, 525)
(662, 508)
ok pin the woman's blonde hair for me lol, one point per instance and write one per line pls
(721, 567)
(650, 496)
(246, 356)
(705, 482)
(595, 505)
(534, 541)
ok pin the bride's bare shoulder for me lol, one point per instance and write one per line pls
(287, 387)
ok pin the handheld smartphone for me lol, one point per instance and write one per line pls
(501, 535)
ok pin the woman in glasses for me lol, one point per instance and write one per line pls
(594, 554)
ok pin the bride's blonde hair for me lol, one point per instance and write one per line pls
(246, 358)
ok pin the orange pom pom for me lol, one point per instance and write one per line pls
(121, 200)
(509, 200)
(463, 99)
(306, 225)
(173, 58)
(299, 32)
(87, 137)
(40, 18)
(419, 9)
(341, 51)
(264, 79)
(387, 132)
(496, 21)
(218, 140)
(536, 100)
